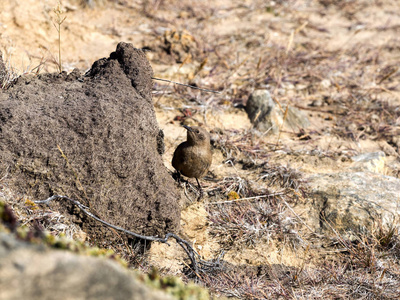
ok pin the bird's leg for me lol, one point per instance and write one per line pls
(178, 177)
(200, 190)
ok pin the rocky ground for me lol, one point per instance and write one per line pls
(305, 209)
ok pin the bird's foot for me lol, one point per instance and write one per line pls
(200, 190)
(201, 194)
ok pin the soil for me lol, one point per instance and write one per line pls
(93, 138)
(336, 61)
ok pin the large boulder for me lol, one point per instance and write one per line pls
(351, 202)
(29, 271)
(93, 138)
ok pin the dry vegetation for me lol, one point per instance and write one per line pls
(336, 60)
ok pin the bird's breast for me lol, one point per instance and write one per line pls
(192, 161)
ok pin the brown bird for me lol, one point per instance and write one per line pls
(193, 158)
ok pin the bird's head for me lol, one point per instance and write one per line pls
(197, 135)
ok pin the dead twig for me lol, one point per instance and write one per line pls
(261, 197)
(187, 85)
(198, 264)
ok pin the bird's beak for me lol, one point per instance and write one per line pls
(188, 128)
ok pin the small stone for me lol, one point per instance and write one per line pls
(325, 83)
(259, 104)
(265, 115)
(317, 103)
(373, 162)
(352, 127)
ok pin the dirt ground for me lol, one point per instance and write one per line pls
(336, 61)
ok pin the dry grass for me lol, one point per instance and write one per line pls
(354, 84)
(366, 269)
(245, 224)
(356, 87)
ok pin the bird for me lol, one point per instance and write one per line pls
(193, 157)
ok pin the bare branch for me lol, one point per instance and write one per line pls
(198, 264)
(191, 86)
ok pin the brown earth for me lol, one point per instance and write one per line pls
(93, 138)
